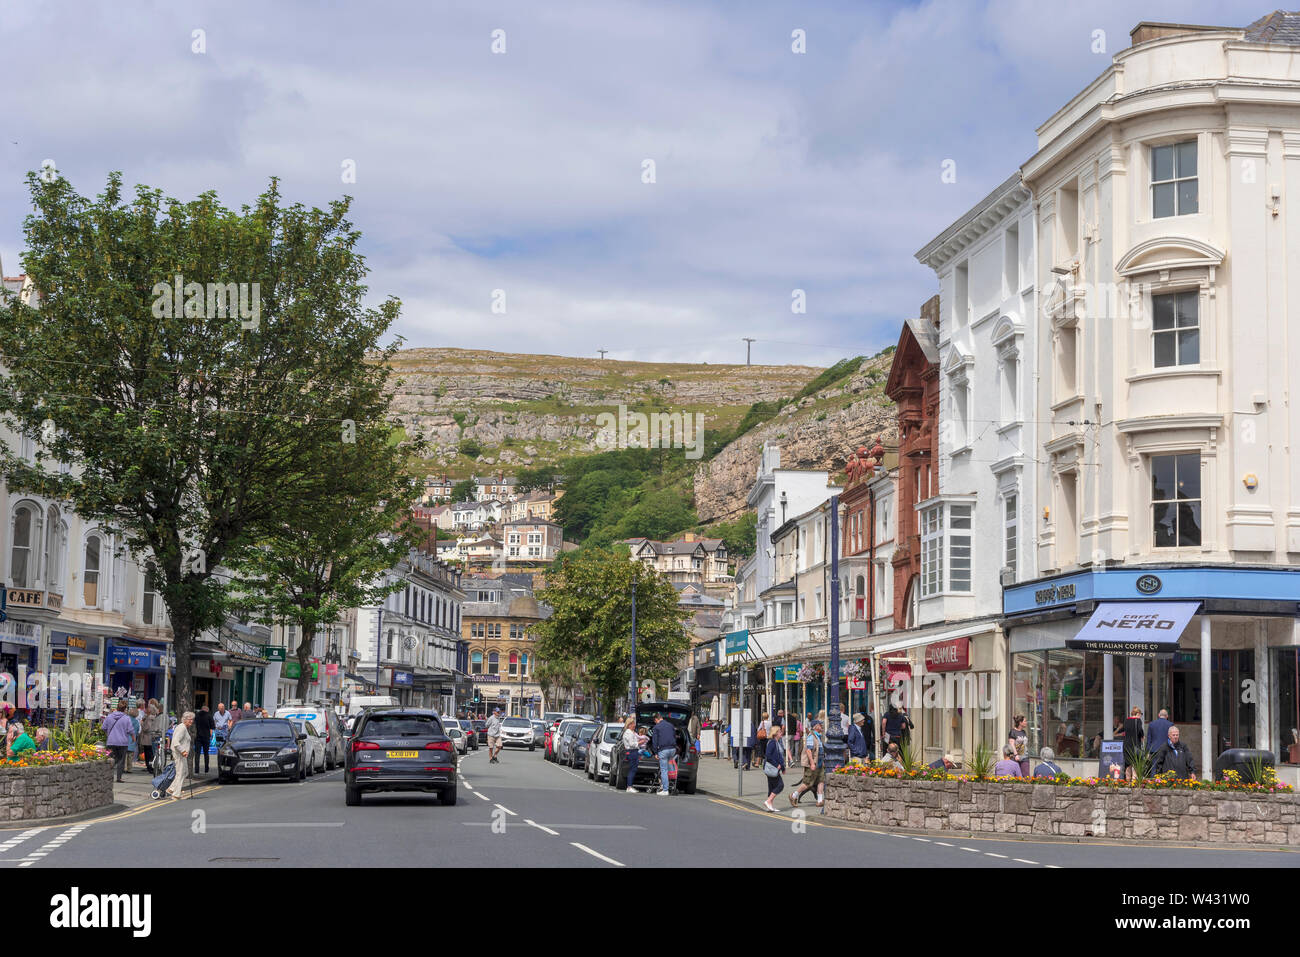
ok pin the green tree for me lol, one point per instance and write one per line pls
(738, 536)
(330, 552)
(192, 431)
(464, 491)
(534, 479)
(590, 596)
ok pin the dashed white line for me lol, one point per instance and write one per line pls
(925, 840)
(943, 843)
(1021, 860)
(971, 849)
(991, 854)
(480, 794)
(608, 860)
(506, 809)
(541, 828)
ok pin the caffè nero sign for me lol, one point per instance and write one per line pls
(1054, 593)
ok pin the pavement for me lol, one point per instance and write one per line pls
(526, 812)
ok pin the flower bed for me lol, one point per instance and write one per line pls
(55, 784)
(1166, 782)
(1161, 810)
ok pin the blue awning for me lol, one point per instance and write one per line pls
(1139, 628)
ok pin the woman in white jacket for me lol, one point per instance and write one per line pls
(632, 748)
(181, 739)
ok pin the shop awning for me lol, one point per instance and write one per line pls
(1138, 628)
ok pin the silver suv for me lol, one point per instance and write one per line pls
(518, 732)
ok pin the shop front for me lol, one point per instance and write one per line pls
(135, 667)
(20, 644)
(1217, 647)
(403, 686)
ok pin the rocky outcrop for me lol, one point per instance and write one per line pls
(819, 433)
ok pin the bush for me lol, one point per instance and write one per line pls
(470, 448)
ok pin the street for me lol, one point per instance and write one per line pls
(526, 812)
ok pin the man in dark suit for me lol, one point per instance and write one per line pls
(1158, 732)
(203, 726)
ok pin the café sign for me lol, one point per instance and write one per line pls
(26, 598)
(1054, 593)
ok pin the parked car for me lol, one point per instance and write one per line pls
(581, 745)
(458, 737)
(480, 730)
(328, 727)
(557, 733)
(360, 702)
(466, 729)
(400, 749)
(518, 732)
(598, 755)
(568, 735)
(688, 759)
(261, 748)
(539, 731)
(312, 747)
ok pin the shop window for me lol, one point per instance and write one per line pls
(1026, 697)
(1176, 500)
(1286, 679)
(1175, 329)
(1173, 180)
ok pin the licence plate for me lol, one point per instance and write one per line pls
(257, 764)
(404, 754)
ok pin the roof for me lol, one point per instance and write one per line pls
(532, 521)
(1279, 26)
(679, 547)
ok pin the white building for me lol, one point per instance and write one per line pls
(1167, 432)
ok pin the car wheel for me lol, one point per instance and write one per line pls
(447, 797)
(352, 796)
(329, 763)
(687, 787)
(532, 747)
(302, 771)
(223, 778)
(619, 781)
(591, 776)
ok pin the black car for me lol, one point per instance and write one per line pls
(480, 730)
(400, 749)
(578, 750)
(262, 748)
(688, 759)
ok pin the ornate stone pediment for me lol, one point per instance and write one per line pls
(1169, 252)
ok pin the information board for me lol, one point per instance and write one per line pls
(1112, 752)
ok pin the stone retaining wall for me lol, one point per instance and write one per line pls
(1011, 808)
(33, 794)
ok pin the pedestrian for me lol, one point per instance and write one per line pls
(248, 712)
(814, 768)
(1009, 766)
(694, 731)
(1158, 731)
(203, 728)
(796, 727)
(1048, 768)
(147, 717)
(857, 740)
(632, 748)
(1174, 757)
(181, 742)
(869, 732)
(845, 724)
(760, 739)
(17, 742)
(894, 756)
(133, 749)
(774, 766)
(494, 736)
(892, 732)
(1133, 736)
(42, 738)
(117, 729)
(1018, 738)
(663, 742)
(221, 718)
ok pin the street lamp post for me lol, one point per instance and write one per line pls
(835, 744)
(633, 697)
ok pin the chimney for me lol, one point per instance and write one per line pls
(1146, 30)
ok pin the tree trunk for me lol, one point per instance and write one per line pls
(304, 662)
(182, 642)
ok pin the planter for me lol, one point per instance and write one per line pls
(1152, 814)
(54, 791)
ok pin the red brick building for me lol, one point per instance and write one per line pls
(914, 386)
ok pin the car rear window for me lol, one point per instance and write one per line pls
(269, 730)
(399, 725)
(585, 734)
(516, 723)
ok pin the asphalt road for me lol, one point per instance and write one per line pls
(527, 812)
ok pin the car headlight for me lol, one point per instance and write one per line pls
(287, 752)
(227, 751)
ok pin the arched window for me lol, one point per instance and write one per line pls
(514, 663)
(22, 554)
(90, 571)
(476, 663)
(494, 663)
(56, 547)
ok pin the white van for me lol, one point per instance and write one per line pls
(328, 727)
(360, 702)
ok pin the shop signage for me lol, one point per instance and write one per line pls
(403, 678)
(128, 658)
(1140, 628)
(785, 673)
(272, 653)
(75, 644)
(1112, 753)
(292, 669)
(58, 656)
(1054, 593)
(21, 633)
(25, 598)
(1148, 584)
(738, 642)
(857, 684)
(950, 655)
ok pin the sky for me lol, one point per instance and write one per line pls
(499, 154)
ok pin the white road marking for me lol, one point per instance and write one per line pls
(1055, 867)
(1021, 860)
(991, 854)
(480, 794)
(541, 828)
(923, 839)
(506, 809)
(584, 847)
(46, 848)
(971, 849)
(943, 844)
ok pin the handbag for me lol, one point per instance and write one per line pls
(672, 769)
(770, 769)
